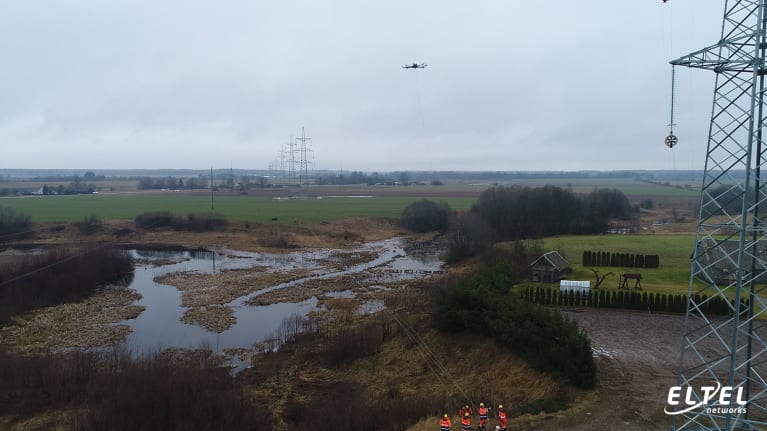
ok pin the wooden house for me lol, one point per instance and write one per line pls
(549, 268)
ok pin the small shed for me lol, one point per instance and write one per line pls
(550, 268)
(575, 286)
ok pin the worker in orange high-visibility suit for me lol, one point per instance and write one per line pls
(501, 417)
(465, 409)
(482, 411)
(466, 422)
(444, 423)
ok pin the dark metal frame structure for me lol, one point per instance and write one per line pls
(729, 259)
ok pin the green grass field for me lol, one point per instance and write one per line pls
(246, 208)
(673, 275)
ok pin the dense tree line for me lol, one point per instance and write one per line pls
(629, 300)
(172, 183)
(59, 276)
(522, 212)
(504, 213)
(426, 216)
(354, 177)
(483, 304)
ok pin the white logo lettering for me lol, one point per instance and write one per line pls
(673, 394)
(721, 395)
(739, 399)
(724, 396)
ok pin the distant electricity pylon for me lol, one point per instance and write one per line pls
(303, 175)
(290, 158)
(293, 165)
(729, 257)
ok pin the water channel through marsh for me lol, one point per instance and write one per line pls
(237, 284)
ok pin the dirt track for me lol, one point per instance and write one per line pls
(638, 356)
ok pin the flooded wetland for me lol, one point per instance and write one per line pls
(224, 300)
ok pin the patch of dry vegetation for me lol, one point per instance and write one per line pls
(244, 236)
(358, 282)
(214, 318)
(200, 290)
(85, 324)
(308, 289)
(239, 353)
(58, 420)
(340, 260)
(157, 262)
(387, 373)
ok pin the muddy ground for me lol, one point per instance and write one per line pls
(637, 357)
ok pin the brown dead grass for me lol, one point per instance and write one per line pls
(200, 290)
(308, 289)
(85, 324)
(238, 235)
(475, 366)
(340, 260)
(56, 420)
(214, 318)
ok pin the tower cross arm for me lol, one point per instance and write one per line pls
(735, 55)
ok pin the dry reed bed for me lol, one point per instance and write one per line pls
(308, 289)
(214, 318)
(82, 325)
(340, 260)
(201, 290)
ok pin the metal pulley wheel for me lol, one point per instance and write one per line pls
(671, 140)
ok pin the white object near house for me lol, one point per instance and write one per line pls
(575, 286)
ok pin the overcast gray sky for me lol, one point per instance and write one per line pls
(510, 85)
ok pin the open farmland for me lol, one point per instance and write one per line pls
(245, 208)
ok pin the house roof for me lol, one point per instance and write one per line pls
(722, 256)
(553, 259)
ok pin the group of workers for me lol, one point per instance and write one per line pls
(482, 412)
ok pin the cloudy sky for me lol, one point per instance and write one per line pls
(510, 85)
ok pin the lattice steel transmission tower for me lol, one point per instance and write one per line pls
(725, 344)
(303, 164)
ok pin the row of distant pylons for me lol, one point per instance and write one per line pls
(294, 165)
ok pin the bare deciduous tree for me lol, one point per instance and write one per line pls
(600, 278)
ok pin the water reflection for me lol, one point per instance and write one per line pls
(160, 325)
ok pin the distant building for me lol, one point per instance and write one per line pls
(721, 258)
(550, 268)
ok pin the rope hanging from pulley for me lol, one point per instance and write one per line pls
(671, 140)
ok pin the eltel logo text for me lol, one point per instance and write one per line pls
(716, 400)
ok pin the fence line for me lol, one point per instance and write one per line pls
(660, 302)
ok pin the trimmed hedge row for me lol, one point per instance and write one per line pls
(627, 300)
(603, 258)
